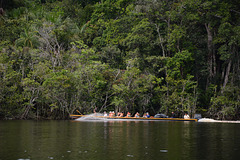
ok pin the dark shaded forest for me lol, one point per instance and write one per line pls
(59, 57)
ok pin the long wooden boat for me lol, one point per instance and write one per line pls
(72, 116)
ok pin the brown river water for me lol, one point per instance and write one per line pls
(118, 140)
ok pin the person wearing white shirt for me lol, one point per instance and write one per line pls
(186, 116)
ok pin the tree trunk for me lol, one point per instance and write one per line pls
(211, 56)
(226, 75)
(160, 40)
(24, 115)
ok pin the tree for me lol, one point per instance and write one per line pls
(28, 39)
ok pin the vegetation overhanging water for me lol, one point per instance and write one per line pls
(59, 57)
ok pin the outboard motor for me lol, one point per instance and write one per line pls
(160, 116)
(197, 116)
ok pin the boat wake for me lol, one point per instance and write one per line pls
(91, 117)
(206, 120)
(216, 121)
(96, 117)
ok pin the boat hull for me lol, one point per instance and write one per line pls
(134, 118)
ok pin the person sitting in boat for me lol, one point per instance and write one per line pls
(148, 116)
(128, 114)
(173, 115)
(113, 114)
(121, 114)
(186, 116)
(137, 115)
(105, 114)
(145, 115)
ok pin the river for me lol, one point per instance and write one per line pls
(120, 140)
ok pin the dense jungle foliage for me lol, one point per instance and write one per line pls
(59, 57)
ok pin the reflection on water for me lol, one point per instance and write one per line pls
(22, 140)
